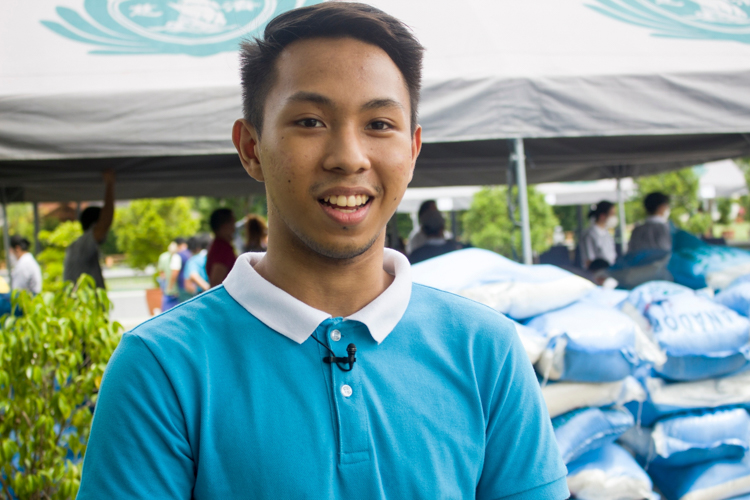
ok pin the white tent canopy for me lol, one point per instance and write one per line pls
(597, 88)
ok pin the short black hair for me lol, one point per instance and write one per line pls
(433, 223)
(193, 244)
(653, 201)
(219, 217)
(17, 241)
(426, 206)
(598, 265)
(603, 207)
(327, 20)
(89, 217)
(180, 240)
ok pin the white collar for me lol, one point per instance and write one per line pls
(657, 218)
(296, 320)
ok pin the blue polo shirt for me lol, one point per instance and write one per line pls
(226, 396)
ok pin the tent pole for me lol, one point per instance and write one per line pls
(36, 228)
(621, 207)
(523, 199)
(6, 237)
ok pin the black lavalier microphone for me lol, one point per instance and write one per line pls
(351, 349)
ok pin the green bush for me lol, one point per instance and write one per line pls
(487, 224)
(145, 227)
(52, 358)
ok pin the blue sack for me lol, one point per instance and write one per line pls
(693, 438)
(719, 479)
(736, 298)
(702, 339)
(580, 431)
(666, 398)
(588, 343)
(697, 264)
(609, 473)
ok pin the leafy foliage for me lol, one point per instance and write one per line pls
(52, 257)
(145, 227)
(568, 216)
(488, 225)
(52, 358)
(682, 188)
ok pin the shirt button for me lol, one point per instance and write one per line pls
(335, 335)
(346, 391)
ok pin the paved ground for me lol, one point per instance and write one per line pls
(129, 307)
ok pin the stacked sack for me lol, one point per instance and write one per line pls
(587, 370)
(695, 430)
(585, 351)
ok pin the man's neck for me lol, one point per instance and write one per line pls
(338, 287)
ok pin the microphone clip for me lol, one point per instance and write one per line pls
(351, 350)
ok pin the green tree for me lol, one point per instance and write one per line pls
(52, 358)
(682, 188)
(145, 227)
(20, 221)
(487, 224)
(568, 216)
(51, 259)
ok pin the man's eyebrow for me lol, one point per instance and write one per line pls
(382, 103)
(312, 97)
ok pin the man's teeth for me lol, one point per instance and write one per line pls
(347, 201)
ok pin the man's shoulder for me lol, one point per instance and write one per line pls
(192, 322)
(458, 314)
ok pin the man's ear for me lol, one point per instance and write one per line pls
(245, 139)
(416, 147)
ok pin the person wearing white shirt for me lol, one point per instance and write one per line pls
(596, 240)
(26, 274)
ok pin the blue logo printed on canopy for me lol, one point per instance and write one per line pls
(194, 27)
(699, 19)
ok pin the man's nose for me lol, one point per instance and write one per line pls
(347, 153)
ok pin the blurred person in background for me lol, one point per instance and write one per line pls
(26, 273)
(596, 240)
(418, 237)
(256, 232)
(221, 256)
(435, 243)
(82, 256)
(185, 253)
(194, 273)
(169, 267)
(654, 233)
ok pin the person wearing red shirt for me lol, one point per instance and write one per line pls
(221, 256)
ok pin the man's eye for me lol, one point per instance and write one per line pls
(310, 123)
(379, 125)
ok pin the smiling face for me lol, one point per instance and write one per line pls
(336, 152)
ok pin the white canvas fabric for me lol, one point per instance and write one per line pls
(126, 83)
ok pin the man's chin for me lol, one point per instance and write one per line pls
(340, 252)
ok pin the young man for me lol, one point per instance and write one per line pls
(221, 256)
(229, 395)
(82, 256)
(654, 233)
